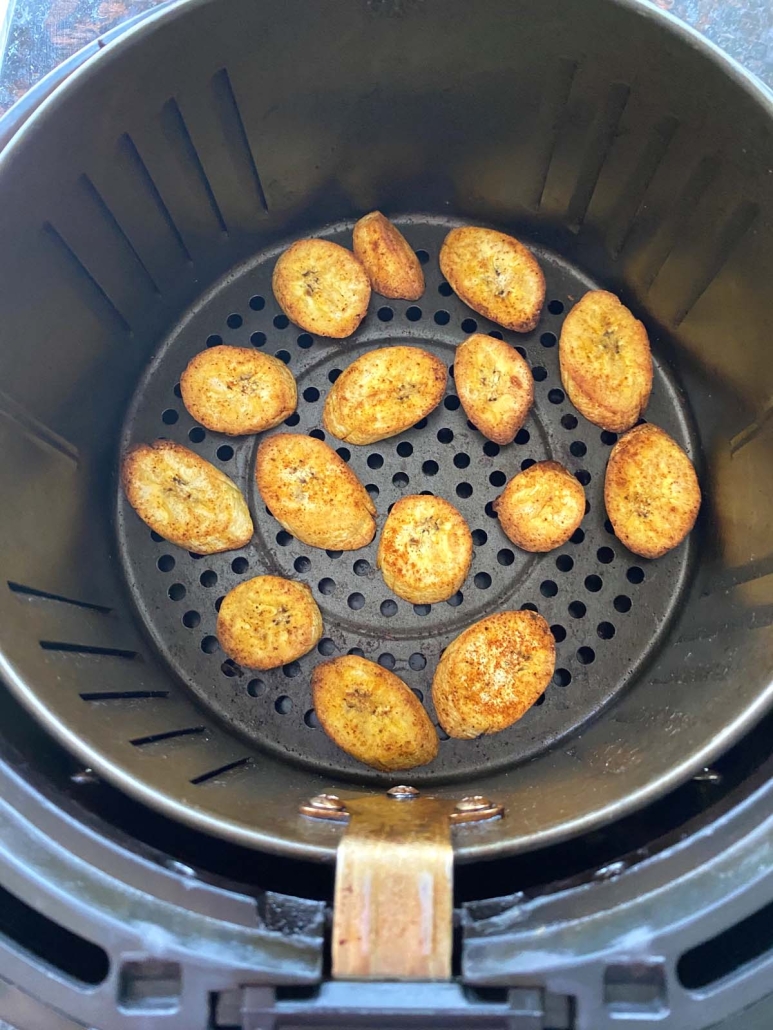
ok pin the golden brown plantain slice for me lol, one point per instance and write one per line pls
(540, 508)
(383, 393)
(651, 491)
(372, 715)
(313, 493)
(425, 549)
(495, 386)
(495, 275)
(185, 499)
(387, 257)
(321, 287)
(236, 391)
(268, 621)
(492, 673)
(606, 366)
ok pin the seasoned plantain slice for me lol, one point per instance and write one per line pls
(387, 257)
(540, 508)
(495, 386)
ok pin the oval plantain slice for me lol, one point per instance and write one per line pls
(313, 493)
(185, 499)
(493, 673)
(425, 549)
(372, 715)
(606, 365)
(387, 257)
(495, 386)
(651, 491)
(541, 507)
(321, 287)
(383, 393)
(236, 391)
(268, 621)
(495, 275)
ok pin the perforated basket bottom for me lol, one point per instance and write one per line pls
(607, 608)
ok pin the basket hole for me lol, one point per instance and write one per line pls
(240, 565)
(209, 645)
(258, 339)
(421, 424)
(578, 448)
(442, 318)
(556, 396)
(385, 314)
(373, 490)
(284, 355)
(445, 435)
(178, 390)
(562, 677)
(479, 537)
(497, 478)
(548, 339)
(422, 609)
(281, 321)
(305, 340)
(605, 555)
(361, 567)
(540, 373)
(548, 588)
(388, 608)
(176, 592)
(400, 480)
(430, 468)
(609, 527)
(214, 340)
(489, 509)
(355, 601)
(608, 438)
(605, 630)
(208, 578)
(522, 352)
(413, 313)
(283, 538)
(357, 651)
(529, 607)
(333, 554)
(577, 537)
(326, 647)
(423, 256)
(257, 303)
(284, 704)
(302, 563)
(577, 609)
(387, 660)
(540, 701)
(464, 490)
(461, 460)
(564, 563)
(326, 586)
(375, 461)
(344, 453)
(333, 374)
(569, 421)
(196, 557)
(445, 289)
(197, 434)
(230, 668)
(456, 600)
(317, 434)
(234, 321)
(497, 335)
(527, 464)
(491, 449)
(311, 394)
(256, 687)
(622, 603)
(482, 580)
(593, 583)
(522, 436)
(555, 307)
(583, 477)
(165, 563)
(586, 655)
(311, 719)
(417, 662)
(635, 575)
(219, 603)
(169, 417)
(505, 556)
(293, 420)
(469, 325)
(292, 669)
(451, 403)
(404, 449)
(559, 633)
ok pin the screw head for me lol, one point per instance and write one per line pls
(329, 802)
(475, 803)
(84, 777)
(402, 793)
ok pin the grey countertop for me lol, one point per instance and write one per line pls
(39, 34)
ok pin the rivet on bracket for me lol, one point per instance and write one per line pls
(403, 793)
(325, 806)
(475, 809)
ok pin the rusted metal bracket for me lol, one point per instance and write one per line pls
(393, 909)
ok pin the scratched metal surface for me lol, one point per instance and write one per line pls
(42, 33)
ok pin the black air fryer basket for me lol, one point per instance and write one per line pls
(143, 207)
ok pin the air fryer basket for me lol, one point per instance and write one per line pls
(143, 207)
